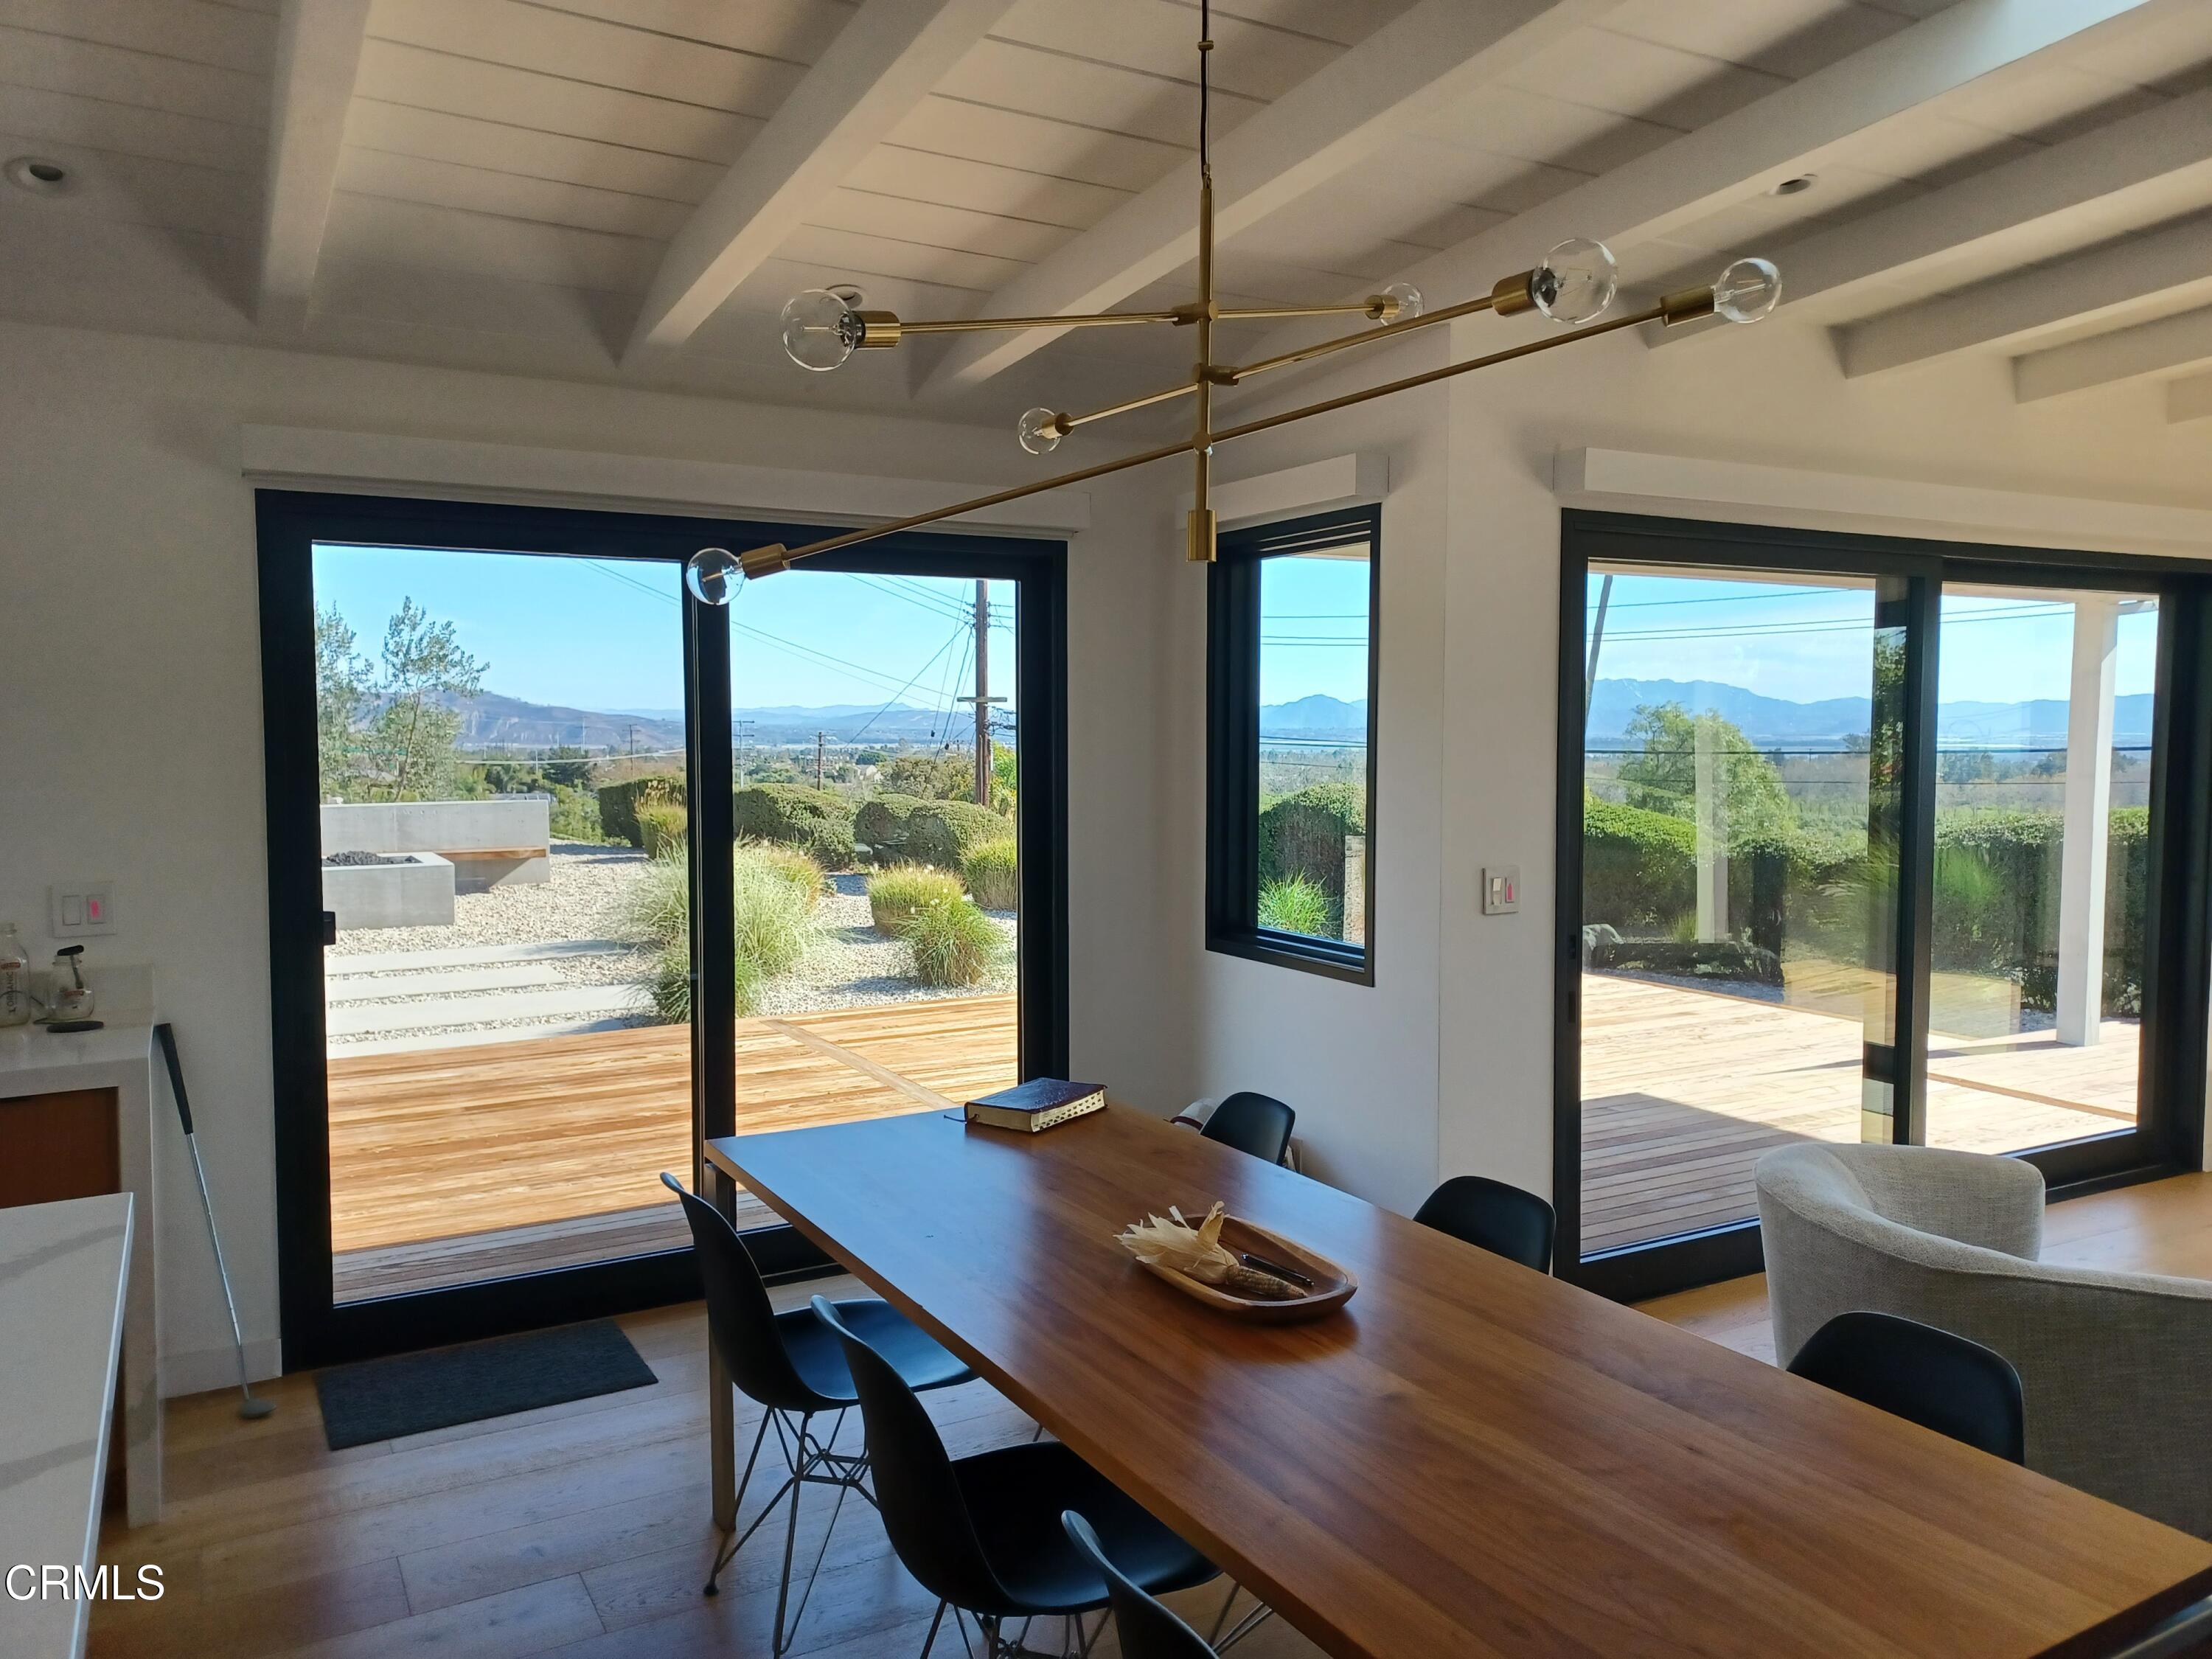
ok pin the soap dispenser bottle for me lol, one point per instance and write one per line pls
(15, 977)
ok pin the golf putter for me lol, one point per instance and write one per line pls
(249, 1407)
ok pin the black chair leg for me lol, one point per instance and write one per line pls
(930, 1640)
(736, 1537)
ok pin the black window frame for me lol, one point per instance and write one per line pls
(1233, 772)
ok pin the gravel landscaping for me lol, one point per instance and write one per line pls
(847, 963)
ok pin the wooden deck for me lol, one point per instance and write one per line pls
(1683, 1089)
(453, 1165)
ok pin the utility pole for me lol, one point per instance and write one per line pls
(982, 699)
(818, 738)
(745, 736)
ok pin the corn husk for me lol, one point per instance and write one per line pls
(1172, 1241)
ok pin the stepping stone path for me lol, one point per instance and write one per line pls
(381, 1001)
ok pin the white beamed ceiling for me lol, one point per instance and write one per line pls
(513, 171)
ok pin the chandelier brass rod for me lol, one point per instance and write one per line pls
(1268, 423)
(1182, 389)
(1359, 307)
(1388, 330)
(1188, 445)
(1089, 319)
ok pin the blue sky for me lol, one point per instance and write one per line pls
(1313, 627)
(1805, 641)
(602, 634)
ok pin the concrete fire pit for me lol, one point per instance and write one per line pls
(402, 889)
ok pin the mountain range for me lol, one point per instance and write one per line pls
(1776, 722)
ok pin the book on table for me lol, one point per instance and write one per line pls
(1037, 1104)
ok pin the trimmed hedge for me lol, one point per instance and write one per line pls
(618, 804)
(1996, 909)
(1303, 835)
(994, 875)
(815, 819)
(881, 826)
(944, 832)
(662, 827)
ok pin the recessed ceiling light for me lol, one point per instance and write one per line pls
(1803, 181)
(38, 175)
(853, 296)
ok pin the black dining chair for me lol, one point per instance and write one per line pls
(1254, 1123)
(1924, 1375)
(983, 1534)
(792, 1365)
(1492, 1216)
(1147, 1629)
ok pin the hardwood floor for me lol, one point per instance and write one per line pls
(579, 1529)
(426, 1190)
(582, 1529)
(1683, 1089)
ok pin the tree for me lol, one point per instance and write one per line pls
(1663, 777)
(1967, 766)
(928, 775)
(424, 671)
(342, 698)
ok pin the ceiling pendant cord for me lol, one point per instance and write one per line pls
(1199, 539)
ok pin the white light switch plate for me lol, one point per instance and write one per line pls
(82, 908)
(1501, 890)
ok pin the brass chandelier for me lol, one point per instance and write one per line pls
(1573, 284)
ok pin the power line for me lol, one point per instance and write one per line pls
(953, 641)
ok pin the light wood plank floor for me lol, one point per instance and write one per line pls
(1683, 1089)
(582, 1530)
(427, 1187)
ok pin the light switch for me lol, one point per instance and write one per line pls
(1501, 891)
(83, 907)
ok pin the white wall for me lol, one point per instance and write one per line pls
(1444, 1067)
(130, 716)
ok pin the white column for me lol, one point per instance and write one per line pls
(1710, 808)
(2088, 821)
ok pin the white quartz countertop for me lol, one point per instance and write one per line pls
(62, 1268)
(34, 1060)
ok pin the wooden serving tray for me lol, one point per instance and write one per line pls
(1333, 1285)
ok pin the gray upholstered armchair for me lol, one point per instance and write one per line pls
(2114, 1365)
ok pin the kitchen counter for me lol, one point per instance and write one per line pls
(64, 1274)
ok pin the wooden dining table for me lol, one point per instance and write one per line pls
(1469, 1457)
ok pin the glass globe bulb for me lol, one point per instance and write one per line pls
(1746, 290)
(1575, 280)
(820, 330)
(1407, 298)
(1039, 431)
(712, 574)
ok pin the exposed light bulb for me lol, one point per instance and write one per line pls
(1575, 280)
(1401, 301)
(820, 330)
(1746, 290)
(712, 574)
(1039, 431)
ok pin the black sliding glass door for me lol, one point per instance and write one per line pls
(568, 870)
(1863, 840)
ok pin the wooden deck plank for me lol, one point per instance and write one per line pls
(1684, 1088)
(422, 1142)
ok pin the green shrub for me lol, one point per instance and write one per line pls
(944, 832)
(769, 921)
(994, 880)
(790, 864)
(952, 943)
(574, 815)
(1304, 834)
(662, 827)
(929, 774)
(618, 804)
(1297, 905)
(880, 825)
(815, 819)
(896, 893)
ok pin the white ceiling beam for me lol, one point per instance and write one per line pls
(2190, 399)
(2099, 282)
(2160, 152)
(884, 62)
(1419, 64)
(2163, 347)
(1749, 151)
(318, 55)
